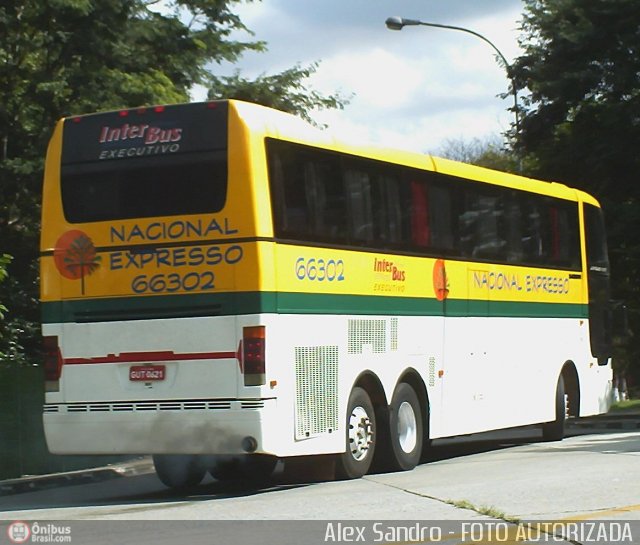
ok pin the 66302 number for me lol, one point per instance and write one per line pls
(319, 270)
(169, 283)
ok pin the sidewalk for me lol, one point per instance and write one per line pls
(623, 421)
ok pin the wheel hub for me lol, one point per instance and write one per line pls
(407, 427)
(360, 433)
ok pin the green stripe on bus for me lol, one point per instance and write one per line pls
(310, 303)
(113, 309)
(315, 303)
(509, 309)
(242, 303)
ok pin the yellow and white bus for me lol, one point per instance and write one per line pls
(224, 286)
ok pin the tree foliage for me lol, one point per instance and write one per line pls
(488, 153)
(581, 67)
(286, 91)
(4, 261)
(581, 124)
(63, 57)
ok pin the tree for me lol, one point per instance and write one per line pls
(64, 57)
(4, 261)
(488, 153)
(581, 124)
(285, 91)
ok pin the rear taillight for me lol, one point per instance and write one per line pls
(253, 355)
(52, 358)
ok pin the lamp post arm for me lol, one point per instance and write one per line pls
(397, 23)
(468, 31)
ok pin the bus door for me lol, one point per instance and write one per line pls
(465, 348)
(600, 320)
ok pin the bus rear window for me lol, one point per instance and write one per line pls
(192, 183)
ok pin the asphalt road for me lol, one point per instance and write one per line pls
(506, 475)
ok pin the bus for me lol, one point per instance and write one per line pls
(224, 286)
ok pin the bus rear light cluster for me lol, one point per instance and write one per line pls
(210, 105)
(52, 358)
(253, 355)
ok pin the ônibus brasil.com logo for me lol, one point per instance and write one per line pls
(19, 532)
(22, 532)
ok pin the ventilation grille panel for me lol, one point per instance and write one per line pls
(156, 406)
(394, 334)
(367, 333)
(316, 390)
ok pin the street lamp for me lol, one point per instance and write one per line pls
(398, 23)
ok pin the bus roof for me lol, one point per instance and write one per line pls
(276, 124)
(269, 122)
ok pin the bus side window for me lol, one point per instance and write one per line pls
(565, 248)
(315, 196)
(441, 218)
(513, 229)
(297, 200)
(532, 246)
(387, 213)
(326, 204)
(550, 234)
(420, 233)
(307, 192)
(288, 194)
(276, 176)
(360, 207)
(480, 232)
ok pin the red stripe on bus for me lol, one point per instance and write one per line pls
(144, 357)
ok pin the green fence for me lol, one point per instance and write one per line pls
(23, 450)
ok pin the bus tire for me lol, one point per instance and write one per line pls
(406, 433)
(179, 471)
(360, 437)
(554, 430)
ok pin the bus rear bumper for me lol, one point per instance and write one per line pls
(108, 429)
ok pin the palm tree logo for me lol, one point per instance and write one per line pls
(76, 257)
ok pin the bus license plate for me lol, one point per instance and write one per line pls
(147, 373)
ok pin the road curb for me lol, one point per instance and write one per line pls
(607, 425)
(610, 421)
(32, 483)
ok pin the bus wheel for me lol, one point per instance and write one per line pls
(254, 467)
(179, 471)
(554, 430)
(406, 430)
(360, 437)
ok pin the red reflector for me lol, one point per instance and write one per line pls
(254, 356)
(253, 348)
(123, 113)
(52, 358)
(76, 119)
(159, 109)
(212, 105)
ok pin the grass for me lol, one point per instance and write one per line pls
(483, 510)
(628, 405)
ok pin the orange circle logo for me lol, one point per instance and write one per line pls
(75, 256)
(440, 282)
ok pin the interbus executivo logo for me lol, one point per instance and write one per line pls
(75, 256)
(142, 140)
